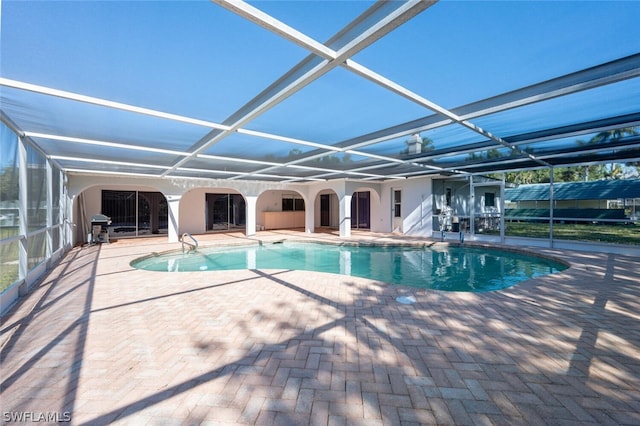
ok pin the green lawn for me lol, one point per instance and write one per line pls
(8, 259)
(8, 264)
(616, 234)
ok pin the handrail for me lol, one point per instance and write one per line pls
(193, 246)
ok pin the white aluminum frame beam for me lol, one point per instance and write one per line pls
(106, 103)
(268, 23)
(590, 78)
(107, 144)
(309, 69)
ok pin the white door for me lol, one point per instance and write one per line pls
(396, 210)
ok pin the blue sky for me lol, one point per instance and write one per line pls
(196, 59)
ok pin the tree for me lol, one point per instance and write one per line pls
(614, 134)
(528, 176)
(9, 184)
(612, 170)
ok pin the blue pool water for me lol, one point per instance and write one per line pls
(450, 268)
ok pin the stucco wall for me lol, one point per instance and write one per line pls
(92, 203)
(416, 199)
(416, 206)
(271, 201)
(193, 210)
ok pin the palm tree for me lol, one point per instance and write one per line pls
(613, 170)
(614, 135)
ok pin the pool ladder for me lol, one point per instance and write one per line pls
(444, 235)
(193, 246)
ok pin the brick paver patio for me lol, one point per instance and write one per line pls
(100, 343)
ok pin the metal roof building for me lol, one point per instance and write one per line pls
(595, 190)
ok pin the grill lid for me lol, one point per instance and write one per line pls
(100, 218)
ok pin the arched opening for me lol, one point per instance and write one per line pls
(133, 212)
(280, 209)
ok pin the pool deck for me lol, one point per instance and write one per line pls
(101, 343)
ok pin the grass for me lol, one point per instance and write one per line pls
(613, 234)
(8, 258)
(8, 276)
(8, 264)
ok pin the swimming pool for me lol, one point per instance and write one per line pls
(449, 268)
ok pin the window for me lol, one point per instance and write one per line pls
(290, 203)
(397, 203)
(489, 199)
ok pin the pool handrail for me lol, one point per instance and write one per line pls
(193, 246)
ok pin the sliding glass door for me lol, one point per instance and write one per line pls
(135, 213)
(361, 210)
(225, 212)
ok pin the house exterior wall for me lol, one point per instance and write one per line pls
(581, 204)
(562, 204)
(459, 196)
(92, 202)
(480, 204)
(193, 211)
(269, 201)
(416, 206)
(416, 200)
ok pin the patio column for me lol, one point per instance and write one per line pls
(251, 202)
(502, 211)
(472, 203)
(309, 218)
(345, 216)
(551, 203)
(173, 204)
